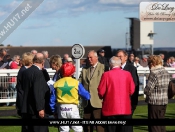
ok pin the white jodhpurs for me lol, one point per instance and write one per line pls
(68, 111)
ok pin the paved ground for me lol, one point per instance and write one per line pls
(14, 112)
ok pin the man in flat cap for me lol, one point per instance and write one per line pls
(103, 60)
(144, 61)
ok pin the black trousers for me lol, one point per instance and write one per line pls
(130, 128)
(156, 112)
(29, 128)
(115, 128)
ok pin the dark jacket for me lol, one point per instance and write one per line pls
(36, 92)
(129, 67)
(104, 61)
(19, 97)
(46, 63)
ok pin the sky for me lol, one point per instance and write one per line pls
(88, 22)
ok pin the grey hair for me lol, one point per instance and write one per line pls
(95, 53)
(15, 57)
(34, 51)
(45, 53)
(114, 62)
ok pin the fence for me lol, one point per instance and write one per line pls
(8, 82)
(143, 75)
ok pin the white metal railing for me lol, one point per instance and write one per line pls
(8, 94)
(8, 83)
(143, 74)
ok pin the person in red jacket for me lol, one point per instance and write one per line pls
(12, 80)
(115, 88)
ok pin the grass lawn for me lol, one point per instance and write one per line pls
(140, 113)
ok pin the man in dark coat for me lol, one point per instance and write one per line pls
(36, 94)
(129, 67)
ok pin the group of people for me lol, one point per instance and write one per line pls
(36, 100)
(6, 62)
(109, 90)
(143, 62)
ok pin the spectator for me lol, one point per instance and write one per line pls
(136, 62)
(172, 64)
(109, 90)
(103, 60)
(156, 91)
(162, 57)
(168, 63)
(4, 54)
(3, 86)
(144, 61)
(56, 63)
(9, 59)
(34, 52)
(36, 94)
(131, 58)
(90, 78)
(67, 91)
(27, 61)
(65, 57)
(15, 63)
(12, 80)
(129, 67)
(46, 61)
(3, 64)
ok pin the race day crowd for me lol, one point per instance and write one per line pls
(108, 88)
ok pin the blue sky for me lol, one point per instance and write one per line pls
(89, 22)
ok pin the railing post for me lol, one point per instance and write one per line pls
(144, 85)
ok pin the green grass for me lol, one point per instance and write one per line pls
(18, 129)
(141, 97)
(140, 113)
(7, 108)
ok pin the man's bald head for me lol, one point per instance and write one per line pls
(115, 61)
(38, 58)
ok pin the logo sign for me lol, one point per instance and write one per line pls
(157, 11)
(78, 51)
(17, 17)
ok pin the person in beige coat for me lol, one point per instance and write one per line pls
(90, 78)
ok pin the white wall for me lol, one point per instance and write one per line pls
(145, 29)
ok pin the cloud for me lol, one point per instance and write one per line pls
(70, 8)
(11, 6)
(67, 8)
(79, 9)
(56, 42)
(124, 2)
(37, 26)
(2, 13)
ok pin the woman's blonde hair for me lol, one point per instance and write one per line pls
(27, 59)
(56, 59)
(155, 60)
